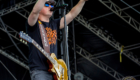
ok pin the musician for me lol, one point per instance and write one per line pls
(41, 11)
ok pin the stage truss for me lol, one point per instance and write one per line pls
(19, 8)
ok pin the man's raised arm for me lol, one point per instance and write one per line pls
(73, 13)
(35, 12)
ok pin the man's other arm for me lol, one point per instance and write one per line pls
(73, 13)
(35, 12)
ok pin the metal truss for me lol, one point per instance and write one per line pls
(24, 75)
(136, 75)
(16, 60)
(11, 31)
(117, 10)
(8, 70)
(105, 53)
(108, 54)
(130, 6)
(112, 12)
(131, 47)
(111, 52)
(23, 12)
(16, 7)
(3, 48)
(98, 63)
(107, 38)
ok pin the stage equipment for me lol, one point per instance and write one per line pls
(78, 76)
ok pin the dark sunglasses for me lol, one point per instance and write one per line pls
(47, 5)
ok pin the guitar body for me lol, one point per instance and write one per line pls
(59, 69)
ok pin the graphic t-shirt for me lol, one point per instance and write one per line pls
(36, 59)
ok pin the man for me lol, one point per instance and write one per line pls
(41, 11)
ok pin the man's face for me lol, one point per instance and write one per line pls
(46, 10)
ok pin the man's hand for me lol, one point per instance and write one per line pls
(73, 13)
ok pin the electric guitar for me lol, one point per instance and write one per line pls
(56, 66)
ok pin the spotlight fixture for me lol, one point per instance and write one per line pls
(78, 76)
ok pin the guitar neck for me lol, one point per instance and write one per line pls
(43, 52)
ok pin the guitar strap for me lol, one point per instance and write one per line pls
(44, 38)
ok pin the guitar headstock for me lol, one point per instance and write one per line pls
(25, 37)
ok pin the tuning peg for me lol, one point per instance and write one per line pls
(25, 42)
(21, 40)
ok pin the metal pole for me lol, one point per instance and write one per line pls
(61, 36)
(130, 6)
(24, 74)
(66, 42)
(10, 46)
(73, 30)
(13, 40)
(7, 70)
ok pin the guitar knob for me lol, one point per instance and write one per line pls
(62, 77)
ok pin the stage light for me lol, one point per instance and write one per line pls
(78, 76)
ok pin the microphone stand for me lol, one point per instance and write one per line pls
(65, 39)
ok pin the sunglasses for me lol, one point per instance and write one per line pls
(47, 5)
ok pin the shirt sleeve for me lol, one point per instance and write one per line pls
(31, 28)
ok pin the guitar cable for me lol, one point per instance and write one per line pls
(13, 40)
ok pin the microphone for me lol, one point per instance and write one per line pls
(59, 7)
